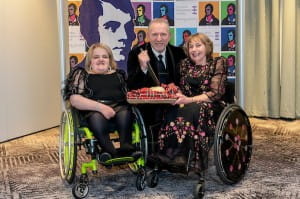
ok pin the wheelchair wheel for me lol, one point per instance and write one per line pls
(232, 144)
(152, 179)
(81, 188)
(199, 191)
(141, 144)
(67, 147)
(140, 180)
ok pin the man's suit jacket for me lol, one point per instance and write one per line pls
(138, 79)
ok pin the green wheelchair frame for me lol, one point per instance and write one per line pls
(73, 136)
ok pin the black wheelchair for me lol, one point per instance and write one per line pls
(232, 144)
(74, 135)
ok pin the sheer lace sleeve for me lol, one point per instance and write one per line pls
(217, 83)
(76, 84)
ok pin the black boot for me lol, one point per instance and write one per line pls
(103, 157)
(126, 149)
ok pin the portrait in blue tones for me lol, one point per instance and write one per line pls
(228, 39)
(109, 22)
(164, 10)
(182, 34)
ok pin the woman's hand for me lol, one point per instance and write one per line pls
(83, 103)
(107, 111)
(182, 99)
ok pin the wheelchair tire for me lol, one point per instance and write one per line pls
(67, 147)
(152, 179)
(143, 144)
(140, 180)
(80, 190)
(232, 144)
(199, 191)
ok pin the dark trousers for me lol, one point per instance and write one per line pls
(153, 116)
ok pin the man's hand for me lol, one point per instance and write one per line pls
(144, 59)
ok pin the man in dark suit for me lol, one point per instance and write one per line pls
(139, 74)
(138, 58)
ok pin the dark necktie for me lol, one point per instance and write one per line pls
(162, 72)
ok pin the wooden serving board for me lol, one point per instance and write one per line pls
(151, 101)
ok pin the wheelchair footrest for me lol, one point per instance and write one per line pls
(123, 160)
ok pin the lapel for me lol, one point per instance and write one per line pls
(170, 62)
(153, 59)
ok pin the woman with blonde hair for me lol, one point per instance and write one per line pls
(98, 91)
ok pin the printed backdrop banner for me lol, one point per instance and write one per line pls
(123, 25)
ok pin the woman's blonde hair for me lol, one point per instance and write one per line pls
(205, 40)
(89, 55)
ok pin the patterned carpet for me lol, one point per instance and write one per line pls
(29, 169)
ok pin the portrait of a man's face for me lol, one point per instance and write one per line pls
(163, 11)
(230, 36)
(230, 61)
(71, 9)
(186, 36)
(230, 10)
(113, 30)
(73, 61)
(141, 36)
(108, 22)
(208, 10)
(140, 11)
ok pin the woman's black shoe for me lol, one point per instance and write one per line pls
(137, 154)
(103, 157)
(126, 149)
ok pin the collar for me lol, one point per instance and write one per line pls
(158, 53)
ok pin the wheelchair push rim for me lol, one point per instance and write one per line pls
(67, 147)
(232, 144)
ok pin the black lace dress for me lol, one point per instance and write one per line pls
(190, 127)
(109, 89)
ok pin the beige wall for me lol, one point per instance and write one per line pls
(30, 71)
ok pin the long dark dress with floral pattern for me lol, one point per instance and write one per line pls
(190, 127)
